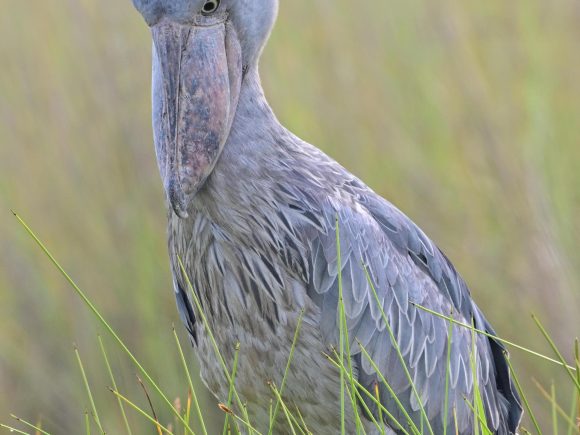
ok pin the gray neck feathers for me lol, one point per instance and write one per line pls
(254, 117)
(251, 158)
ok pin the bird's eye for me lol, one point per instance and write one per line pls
(210, 6)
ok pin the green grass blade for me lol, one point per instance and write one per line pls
(349, 373)
(284, 408)
(344, 338)
(30, 425)
(270, 415)
(102, 320)
(399, 354)
(369, 415)
(88, 389)
(381, 419)
(390, 389)
(248, 426)
(577, 361)
(112, 377)
(146, 393)
(358, 395)
(14, 430)
(359, 425)
(577, 396)
(352, 397)
(495, 337)
(522, 394)
(554, 409)
(286, 370)
(298, 422)
(473, 365)
(232, 387)
(481, 423)
(557, 352)
(302, 422)
(188, 408)
(341, 333)
(555, 406)
(574, 417)
(379, 405)
(447, 374)
(191, 389)
(212, 340)
(577, 358)
(87, 423)
(477, 399)
(575, 406)
(140, 411)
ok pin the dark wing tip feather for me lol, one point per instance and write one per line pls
(184, 307)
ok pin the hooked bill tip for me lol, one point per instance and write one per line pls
(181, 213)
(176, 198)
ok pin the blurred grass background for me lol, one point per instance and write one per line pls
(466, 114)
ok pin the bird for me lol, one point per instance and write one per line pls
(275, 247)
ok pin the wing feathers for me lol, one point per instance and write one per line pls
(403, 265)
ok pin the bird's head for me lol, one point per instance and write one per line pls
(201, 51)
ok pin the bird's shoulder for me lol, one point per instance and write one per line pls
(324, 199)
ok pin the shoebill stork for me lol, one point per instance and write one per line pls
(253, 212)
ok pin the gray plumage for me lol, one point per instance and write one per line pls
(255, 228)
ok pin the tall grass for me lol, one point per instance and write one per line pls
(341, 359)
(464, 114)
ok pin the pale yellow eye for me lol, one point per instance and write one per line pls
(210, 6)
